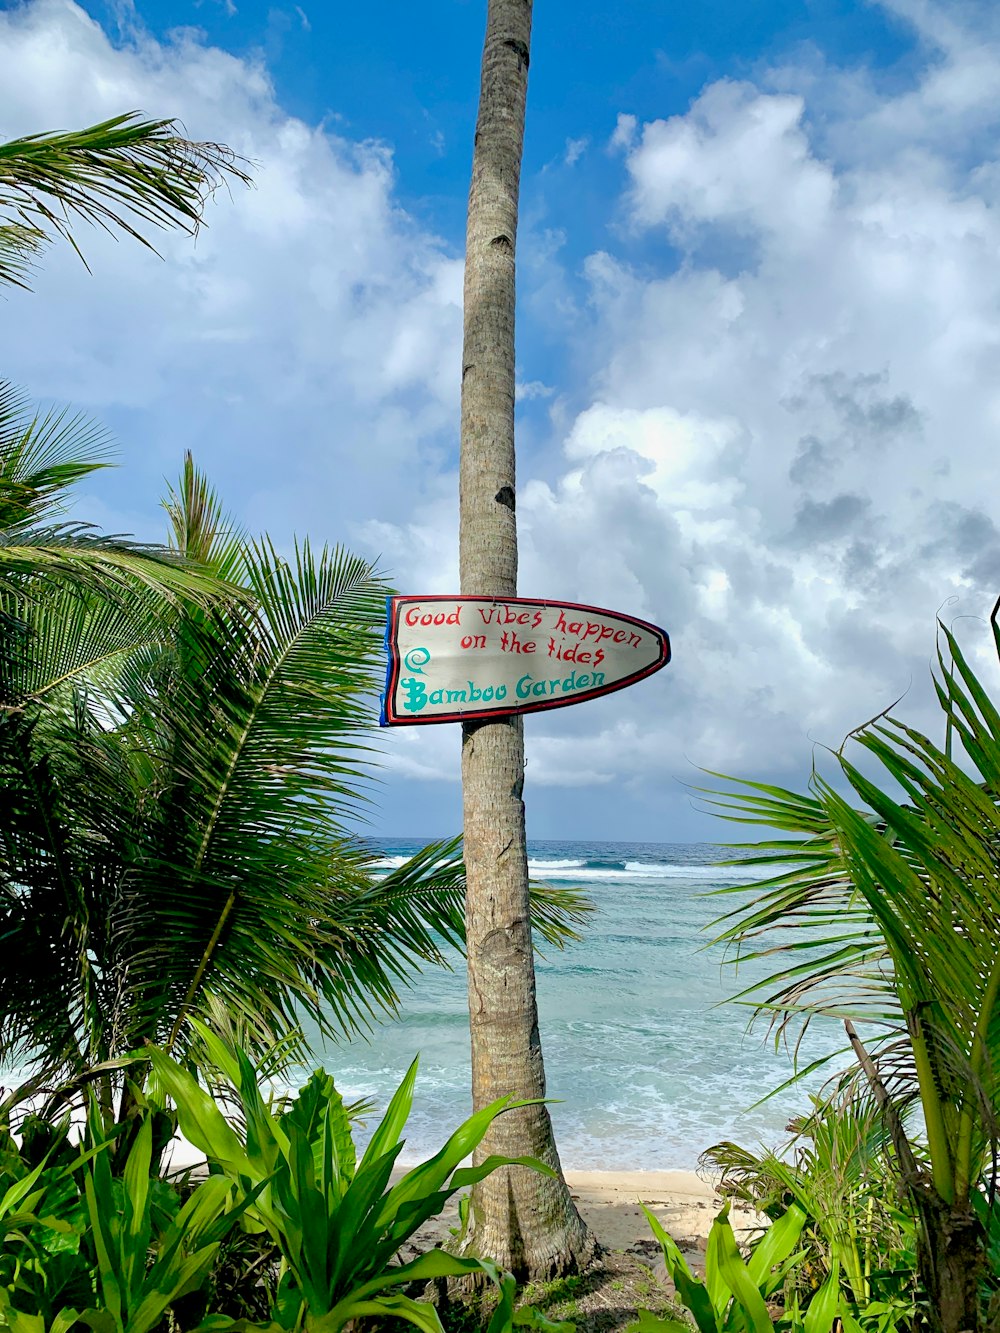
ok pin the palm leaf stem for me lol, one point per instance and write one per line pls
(202, 968)
(938, 1143)
(977, 1059)
(904, 1152)
(78, 670)
(262, 691)
(210, 826)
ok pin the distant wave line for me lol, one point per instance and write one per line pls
(617, 870)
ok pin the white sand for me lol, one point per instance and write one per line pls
(609, 1202)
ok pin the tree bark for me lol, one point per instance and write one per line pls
(951, 1262)
(524, 1220)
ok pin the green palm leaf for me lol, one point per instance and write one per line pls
(901, 903)
(117, 175)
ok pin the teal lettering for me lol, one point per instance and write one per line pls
(416, 695)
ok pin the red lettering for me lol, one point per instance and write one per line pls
(510, 643)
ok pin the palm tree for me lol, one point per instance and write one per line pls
(177, 777)
(41, 456)
(526, 1221)
(120, 175)
(899, 905)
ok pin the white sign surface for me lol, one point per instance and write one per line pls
(455, 658)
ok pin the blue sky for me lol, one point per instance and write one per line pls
(759, 322)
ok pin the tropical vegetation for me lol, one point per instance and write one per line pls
(100, 1240)
(184, 735)
(885, 916)
(185, 748)
(178, 775)
(123, 175)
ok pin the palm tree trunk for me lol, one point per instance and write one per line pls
(524, 1220)
(951, 1262)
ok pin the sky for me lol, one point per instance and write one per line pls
(758, 344)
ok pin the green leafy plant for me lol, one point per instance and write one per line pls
(838, 1169)
(336, 1220)
(178, 777)
(124, 1248)
(43, 1221)
(134, 1293)
(901, 901)
(733, 1296)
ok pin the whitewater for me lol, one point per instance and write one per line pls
(646, 1062)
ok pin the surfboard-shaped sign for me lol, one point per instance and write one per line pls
(453, 659)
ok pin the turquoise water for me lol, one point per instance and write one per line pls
(648, 1068)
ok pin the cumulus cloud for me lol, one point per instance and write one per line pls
(786, 449)
(780, 434)
(305, 346)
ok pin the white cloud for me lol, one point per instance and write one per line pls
(306, 345)
(625, 131)
(787, 449)
(780, 440)
(730, 161)
(575, 149)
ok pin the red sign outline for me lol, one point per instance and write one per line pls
(389, 718)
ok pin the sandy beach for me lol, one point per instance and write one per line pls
(609, 1202)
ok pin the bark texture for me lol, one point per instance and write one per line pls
(951, 1259)
(526, 1221)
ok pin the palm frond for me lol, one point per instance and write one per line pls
(20, 246)
(116, 175)
(200, 530)
(40, 457)
(899, 905)
(72, 638)
(261, 748)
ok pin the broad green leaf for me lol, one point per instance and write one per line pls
(319, 1109)
(166, 1283)
(424, 1316)
(137, 1227)
(109, 1279)
(690, 1289)
(529, 1317)
(358, 1214)
(775, 1246)
(431, 1175)
(824, 1306)
(20, 1189)
(389, 1132)
(200, 1120)
(722, 1253)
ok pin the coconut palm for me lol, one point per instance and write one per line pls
(898, 903)
(526, 1220)
(42, 455)
(178, 777)
(122, 175)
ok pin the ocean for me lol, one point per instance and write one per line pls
(648, 1065)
